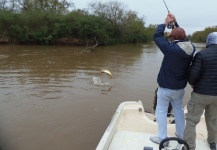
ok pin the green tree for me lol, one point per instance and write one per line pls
(133, 28)
(149, 32)
(55, 6)
(123, 25)
(45, 21)
(200, 36)
(113, 11)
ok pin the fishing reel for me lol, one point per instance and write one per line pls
(170, 25)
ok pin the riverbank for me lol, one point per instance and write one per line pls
(60, 41)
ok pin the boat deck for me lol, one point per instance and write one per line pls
(129, 140)
(131, 129)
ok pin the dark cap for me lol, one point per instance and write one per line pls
(178, 34)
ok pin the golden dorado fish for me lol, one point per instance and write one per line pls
(107, 72)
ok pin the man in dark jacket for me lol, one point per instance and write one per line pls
(203, 78)
(172, 77)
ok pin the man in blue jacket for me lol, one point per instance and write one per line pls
(203, 78)
(172, 78)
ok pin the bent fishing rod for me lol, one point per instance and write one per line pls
(170, 24)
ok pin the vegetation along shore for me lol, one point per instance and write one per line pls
(57, 22)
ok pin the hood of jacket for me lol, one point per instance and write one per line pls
(187, 47)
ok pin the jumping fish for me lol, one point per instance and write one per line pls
(107, 72)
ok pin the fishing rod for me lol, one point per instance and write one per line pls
(170, 24)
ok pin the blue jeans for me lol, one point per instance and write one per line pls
(176, 98)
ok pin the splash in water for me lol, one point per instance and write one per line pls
(98, 81)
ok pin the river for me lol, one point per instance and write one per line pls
(56, 98)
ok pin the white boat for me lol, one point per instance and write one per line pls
(131, 128)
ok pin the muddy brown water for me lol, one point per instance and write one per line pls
(56, 98)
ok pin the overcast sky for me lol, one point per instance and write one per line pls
(192, 15)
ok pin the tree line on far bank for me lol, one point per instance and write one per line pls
(48, 22)
(200, 36)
